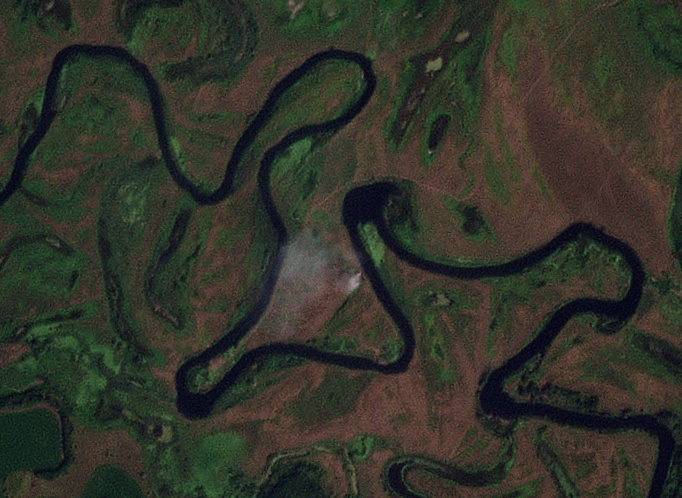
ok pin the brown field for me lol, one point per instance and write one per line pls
(92, 449)
(569, 166)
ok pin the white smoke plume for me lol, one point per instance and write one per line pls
(314, 281)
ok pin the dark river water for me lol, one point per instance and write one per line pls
(363, 204)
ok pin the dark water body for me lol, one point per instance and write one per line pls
(437, 131)
(365, 204)
(159, 307)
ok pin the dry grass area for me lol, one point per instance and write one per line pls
(568, 165)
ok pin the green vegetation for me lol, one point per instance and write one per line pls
(509, 51)
(615, 55)
(595, 369)
(324, 220)
(391, 22)
(494, 179)
(632, 489)
(15, 212)
(98, 114)
(435, 297)
(582, 260)
(339, 322)
(223, 116)
(194, 150)
(72, 353)
(335, 342)
(444, 320)
(202, 378)
(201, 466)
(555, 465)
(398, 22)
(472, 221)
(266, 372)
(512, 170)
(126, 208)
(102, 378)
(403, 217)
(375, 246)
(202, 143)
(453, 89)
(226, 35)
(335, 397)
(585, 464)
(29, 440)
(440, 369)
(5, 128)
(662, 26)
(465, 476)
(127, 204)
(528, 490)
(30, 114)
(52, 22)
(99, 77)
(398, 127)
(391, 349)
(63, 206)
(127, 14)
(95, 122)
(252, 266)
(109, 480)
(439, 119)
(294, 178)
(671, 309)
(562, 345)
(294, 479)
(312, 19)
(609, 83)
(139, 393)
(138, 138)
(675, 221)
(335, 85)
(211, 455)
(530, 8)
(467, 81)
(361, 447)
(227, 39)
(177, 250)
(162, 24)
(654, 355)
(18, 376)
(36, 274)
(70, 357)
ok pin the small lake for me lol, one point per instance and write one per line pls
(110, 480)
(29, 440)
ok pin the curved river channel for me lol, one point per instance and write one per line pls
(364, 204)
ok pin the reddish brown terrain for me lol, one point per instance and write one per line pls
(546, 148)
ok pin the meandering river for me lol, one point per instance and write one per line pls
(363, 204)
